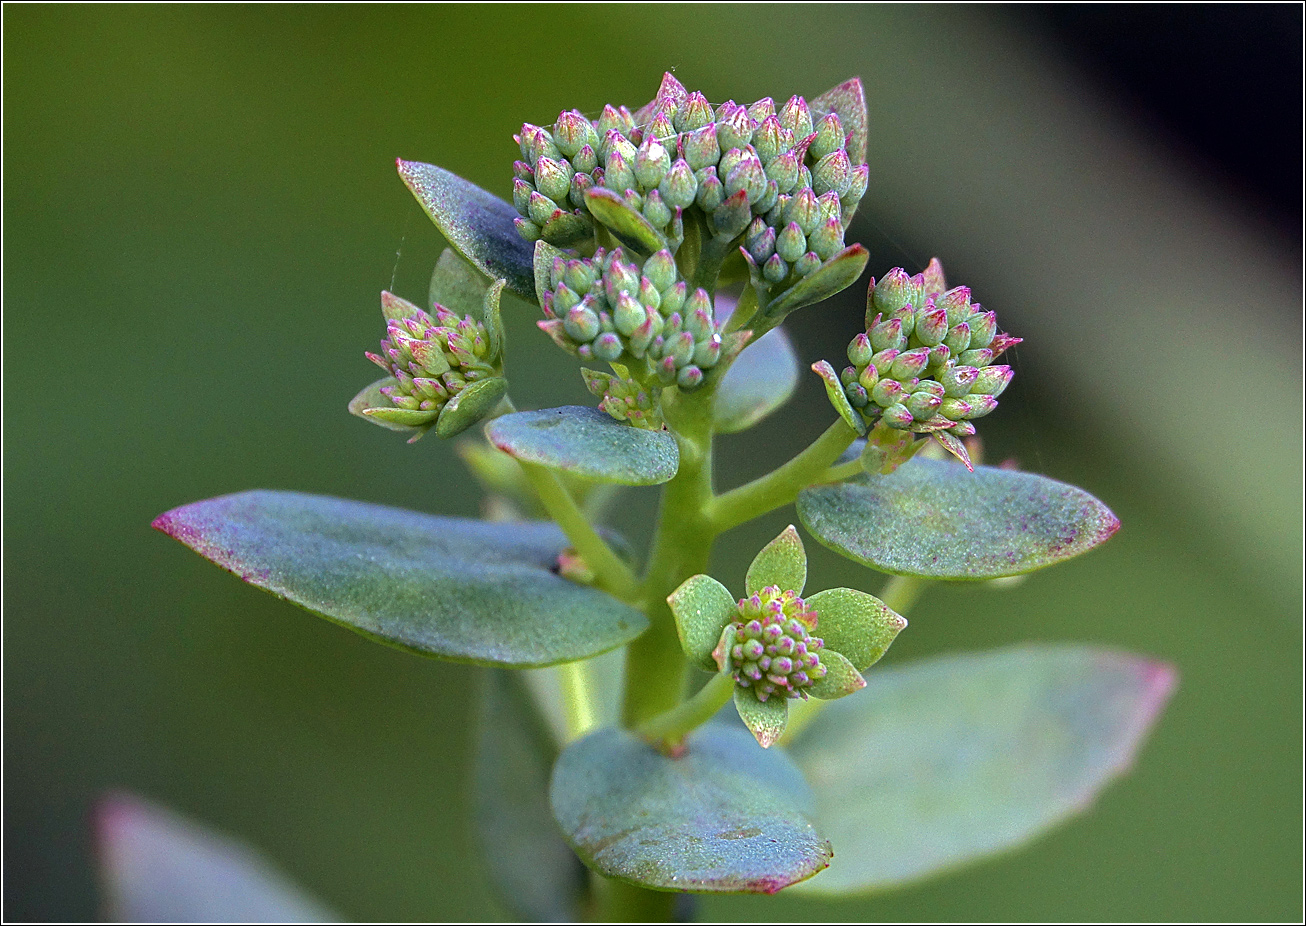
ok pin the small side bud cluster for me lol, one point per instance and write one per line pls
(774, 652)
(432, 358)
(624, 399)
(607, 308)
(550, 181)
(925, 361)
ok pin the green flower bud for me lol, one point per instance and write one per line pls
(579, 184)
(769, 139)
(581, 323)
(805, 210)
(616, 119)
(708, 352)
(608, 347)
(981, 357)
(562, 300)
(666, 370)
(572, 132)
(958, 338)
(678, 187)
(856, 189)
(523, 171)
(733, 215)
(521, 195)
(887, 392)
(775, 269)
(898, 416)
(992, 381)
(700, 148)
(619, 277)
(893, 292)
(768, 199)
(541, 208)
(694, 113)
(827, 239)
(909, 365)
(674, 298)
(831, 210)
(791, 243)
(807, 263)
(931, 326)
(955, 409)
(869, 377)
(860, 350)
(627, 314)
(586, 159)
(617, 173)
(783, 169)
(656, 211)
(624, 399)
(698, 316)
(956, 302)
(681, 348)
(962, 429)
(776, 217)
(957, 380)
(553, 178)
(652, 161)
(581, 275)
(922, 405)
(760, 241)
(734, 127)
(711, 191)
(829, 138)
(796, 117)
(857, 395)
(661, 127)
(762, 110)
(983, 328)
(888, 334)
(660, 269)
(649, 295)
(527, 229)
(689, 377)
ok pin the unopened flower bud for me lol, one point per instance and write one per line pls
(694, 113)
(898, 416)
(762, 110)
(827, 239)
(980, 357)
(957, 380)
(689, 377)
(829, 137)
(791, 243)
(618, 174)
(887, 392)
(957, 303)
(652, 161)
(983, 328)
(888, 334)
(907, 366)
(733, 215)
(608, 346)
(572, 132)
(807, 263)
(553, 178)
(805, 210)
(711, 191)
(735, 128)
(860, 350)
(958, 338)
(768, 140)
(992, 380)
(707, 352)
(618, 119)
(922, 405)
(796, 117)
(581, 323)
(748, 176)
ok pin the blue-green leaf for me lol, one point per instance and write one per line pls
(478, 224)
(587, 442)
(932, 518)
(468, 591)
(948, 760)
(759, 382)
(725, 816)
(158, 867)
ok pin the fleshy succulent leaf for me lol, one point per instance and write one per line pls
(467, 591)
(841, 677)
(958, 757)
(702, 607)
(477, 223)
(838, 398)
(625, 223)
(470, 406)
(833, 276)
(587, 442)
(856, 624)
(766, 720)
(158, 867)
(759, 382)
(848, 101)
(933, 519)
(458, 286)
(372, 400)
(782, 562)
(533, 870)
(722, 816)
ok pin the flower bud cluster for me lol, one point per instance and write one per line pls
(774, 652)
(624, 399)
(605, 308)
(925, 361)
(782, 177)
(432, 358)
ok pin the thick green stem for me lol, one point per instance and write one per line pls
(611, 573)
(619, 902)
(578, 698)
(671, 727)
(781, 486)
(655, 665)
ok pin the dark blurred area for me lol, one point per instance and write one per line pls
(1219, 83)
(200, 208)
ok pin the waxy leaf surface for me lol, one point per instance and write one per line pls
(533, 870)
(158, 867)
(469, 591)
(944, 761)
(759, 382)
(587, 442)
(934, 519)
(477, 223)
(725, 816)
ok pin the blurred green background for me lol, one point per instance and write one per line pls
(200, 203)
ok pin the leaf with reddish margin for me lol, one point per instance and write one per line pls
(933, 519)
(158, 867)
(722, 817)
(457, 589)
(477, 223)
(952, 759)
